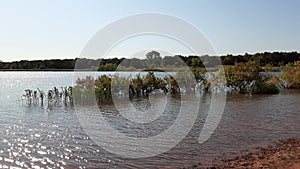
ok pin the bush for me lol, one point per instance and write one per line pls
(241, 76)
(267, 88)
(292, 76)
(245, 78)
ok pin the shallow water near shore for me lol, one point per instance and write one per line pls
(32, 135)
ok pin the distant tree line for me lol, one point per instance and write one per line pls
(266, 58)
(53, 64)
(153, 59)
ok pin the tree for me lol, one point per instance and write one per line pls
(153, 55)
(196, 62)
(154, 59)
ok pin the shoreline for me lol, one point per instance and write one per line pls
(285, 154)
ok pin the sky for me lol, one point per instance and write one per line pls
(58, 29)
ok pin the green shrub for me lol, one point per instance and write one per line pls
(245, 78)
(292, 76)
(267, 88)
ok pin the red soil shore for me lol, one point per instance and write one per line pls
(284, 155)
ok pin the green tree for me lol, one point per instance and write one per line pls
(154, 59)
(153, 55)
(196, 62)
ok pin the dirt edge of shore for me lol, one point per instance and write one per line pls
(283, 155)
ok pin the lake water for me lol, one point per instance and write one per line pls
(34, 136)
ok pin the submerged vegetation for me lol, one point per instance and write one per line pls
(141, 86)
(292, 75)
(53, 97)
(245, 77)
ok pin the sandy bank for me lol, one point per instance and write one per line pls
(284, 155)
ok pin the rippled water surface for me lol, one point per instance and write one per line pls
(35, 136)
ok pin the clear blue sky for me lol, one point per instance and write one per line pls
(40, 29)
